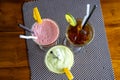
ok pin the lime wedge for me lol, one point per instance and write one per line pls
(70, 19)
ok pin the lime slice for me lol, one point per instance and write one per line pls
(70, 19)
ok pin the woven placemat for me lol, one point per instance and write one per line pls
(92, 62)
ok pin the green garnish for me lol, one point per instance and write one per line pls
(70, 19)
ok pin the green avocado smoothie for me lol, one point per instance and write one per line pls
(58, 58)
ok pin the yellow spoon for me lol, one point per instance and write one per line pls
(36, 15)
(68, 73)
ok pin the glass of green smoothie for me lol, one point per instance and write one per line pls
(59, 58)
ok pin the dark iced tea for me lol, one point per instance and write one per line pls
(79, 37)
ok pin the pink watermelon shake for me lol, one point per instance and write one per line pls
(47, 32)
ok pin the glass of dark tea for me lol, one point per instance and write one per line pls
(77, 37)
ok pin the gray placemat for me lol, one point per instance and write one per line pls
(92, 62)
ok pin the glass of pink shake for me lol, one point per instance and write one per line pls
(47, 33)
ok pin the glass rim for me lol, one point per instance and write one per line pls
(80, 45)
(57, 26)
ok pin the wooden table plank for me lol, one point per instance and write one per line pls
(10, 16)
(15, 73)
(111, 12)
(13, 52)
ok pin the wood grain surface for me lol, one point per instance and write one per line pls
(13, 52)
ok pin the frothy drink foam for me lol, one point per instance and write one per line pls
(47, 32)
(59, 57)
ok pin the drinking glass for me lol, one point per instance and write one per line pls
(47, 33)
(77, 37)
(59, 57)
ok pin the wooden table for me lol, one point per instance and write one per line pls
(13, 52)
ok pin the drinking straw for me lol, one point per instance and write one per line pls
(55, 56)
(68, 73)
(27, 37)
(87, 13)
(36, 15)
(27, 29)
(88, 9)
(94, 7)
